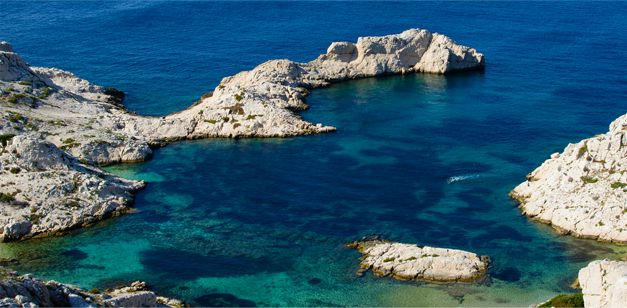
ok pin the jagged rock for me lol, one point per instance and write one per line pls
(53, 191)
(411, 262)
(583, 190)
(28, 291)
(63, 123)
(604, 284)
(137, 299)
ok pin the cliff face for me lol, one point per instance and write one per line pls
(604, 284)
(583, 190)
(54, 125)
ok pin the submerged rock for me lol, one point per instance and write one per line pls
(604, 284)
(412, 262)
(28, 291)
(53, 124)
(583, 190)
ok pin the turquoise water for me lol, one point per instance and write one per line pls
(422, 159)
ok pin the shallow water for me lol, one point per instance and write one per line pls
(422, 159)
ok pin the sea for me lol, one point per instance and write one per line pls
(420, 158)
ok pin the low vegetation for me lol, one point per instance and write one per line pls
(565, 300)
(4, 139)
(582, 150)
(617, 185)
(7, 198)
(589, 179)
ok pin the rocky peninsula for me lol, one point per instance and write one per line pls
(28, 291)
(411, 262)
(583, 190)
(55, 127)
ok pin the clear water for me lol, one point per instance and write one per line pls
(422, 159)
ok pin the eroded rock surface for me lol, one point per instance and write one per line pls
(28, 291)
(45, 190)
(583, 190)
(411, 262)
(604, 284)
(48, 111)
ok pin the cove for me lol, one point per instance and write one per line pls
(260, 219)
(421, 159)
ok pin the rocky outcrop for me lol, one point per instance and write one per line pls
(583, 190)
(48, 111)
(411, 262)
(604, 284)
(28, 291)
(45, 190)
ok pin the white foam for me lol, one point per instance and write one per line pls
(463, 177)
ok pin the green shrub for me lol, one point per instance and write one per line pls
(211, 121)
(389, 259)
(565, 300)
(239, 96)
(5, 138)
(13, 99)
(15, 170)
(15, 117)
(45, 93)
(4, 197)
(25, 82)
(582, 150)
(616, 185)
(589, 179)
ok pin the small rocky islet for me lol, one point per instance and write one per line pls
(56, 128)
(412, 262)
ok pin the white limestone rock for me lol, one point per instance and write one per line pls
(604, 284)
(28, 291)
(582, 191)
(45, 190)
(411, 262)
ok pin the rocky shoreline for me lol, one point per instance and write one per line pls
(583, 190)
(28, 291)
(55, 126)
(411, 262)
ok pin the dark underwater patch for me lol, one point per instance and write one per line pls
(222, 300)
(509, 274)
(188, 265)
(314, 281)
(75, 254)
(155, 217)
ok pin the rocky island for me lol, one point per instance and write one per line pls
(56, 127)
(583, 190)
(412, 262)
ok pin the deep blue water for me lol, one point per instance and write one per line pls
(423, 159)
